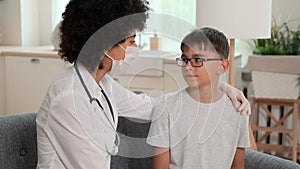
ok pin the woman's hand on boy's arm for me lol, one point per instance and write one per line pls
(237, 98)
(161, 158)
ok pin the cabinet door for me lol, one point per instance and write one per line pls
(27, 81)
(173, 78)
(150, 85)
(145, 74)
(2, 86)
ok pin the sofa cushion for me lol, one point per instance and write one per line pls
(259, 160)
(18, 141)
(18, 146)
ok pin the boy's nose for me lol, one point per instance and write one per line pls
(189, 65)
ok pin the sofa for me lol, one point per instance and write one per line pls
(18, 146)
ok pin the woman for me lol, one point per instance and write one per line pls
(76, 123)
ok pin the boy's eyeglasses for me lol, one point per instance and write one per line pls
(195, 62)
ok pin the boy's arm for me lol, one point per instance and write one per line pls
(161, 158)
(236, 96)
(239, 159)
(252, 139)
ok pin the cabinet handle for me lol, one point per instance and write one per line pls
(137, 92)
(35, 60)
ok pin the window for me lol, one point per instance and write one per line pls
(183, 9)
(171, 20)
(58, 7)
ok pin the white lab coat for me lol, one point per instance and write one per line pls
(74, 133)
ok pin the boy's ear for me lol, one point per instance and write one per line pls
(224, 66)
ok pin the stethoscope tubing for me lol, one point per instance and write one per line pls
(117, 141)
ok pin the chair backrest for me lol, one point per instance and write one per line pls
(18, 144)
(132, 128)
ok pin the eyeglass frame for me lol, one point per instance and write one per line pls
(202, 59)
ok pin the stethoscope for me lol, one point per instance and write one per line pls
(114, 150)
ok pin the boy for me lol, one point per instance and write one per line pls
(199, 131)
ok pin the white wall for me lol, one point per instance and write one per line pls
(50, 15)
(58, 7)
(287, 10)
(45, 25)
(282, 10)
(29, 22)
(10, 22)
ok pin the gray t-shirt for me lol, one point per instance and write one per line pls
(199, 135)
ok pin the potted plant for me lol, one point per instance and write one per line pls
(275, 63)
(283, 41)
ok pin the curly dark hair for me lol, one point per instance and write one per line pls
(82, 20)
(206, 37)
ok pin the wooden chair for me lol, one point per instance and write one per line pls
(259, 105)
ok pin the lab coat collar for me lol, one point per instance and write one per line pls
(94, 88)
(88, 79)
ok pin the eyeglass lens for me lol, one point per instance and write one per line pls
(195, 62)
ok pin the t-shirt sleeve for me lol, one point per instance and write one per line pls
(244, 140)
(159, 130)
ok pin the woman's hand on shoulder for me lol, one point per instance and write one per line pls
(237, 98)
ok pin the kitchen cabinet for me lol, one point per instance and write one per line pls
(173, 79)
(154, 73)
(27, 81)
(26, 75)
(2, 86)
(142, 84)
(145, 74)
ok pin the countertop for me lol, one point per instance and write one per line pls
(49, 52)
(36, 51)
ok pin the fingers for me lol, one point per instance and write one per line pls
(238, 100)
(236, 103)
(244, 108)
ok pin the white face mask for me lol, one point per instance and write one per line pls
(121, 66)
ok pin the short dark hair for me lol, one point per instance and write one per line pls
(83, 18)
(205, 38)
